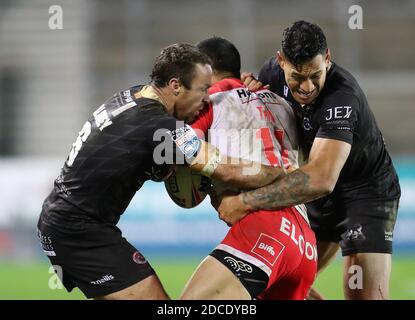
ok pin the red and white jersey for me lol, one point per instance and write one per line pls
(257, 126)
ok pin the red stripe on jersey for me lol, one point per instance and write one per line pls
(279, 134)
(203, 122)
(226, 85)
(265, 135)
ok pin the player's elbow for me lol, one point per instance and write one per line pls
(322, 180)
(325, 185)
(225, 178)
(224, 175)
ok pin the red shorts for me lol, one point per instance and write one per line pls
(282, 244)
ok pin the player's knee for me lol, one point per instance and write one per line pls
(193, 293)
(212, 281)
(378, 293)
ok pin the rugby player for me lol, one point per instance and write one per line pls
(349, 182)
(266, 255)
(119, 148)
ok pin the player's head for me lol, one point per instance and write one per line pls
(305, 60)
(225, 58)
(186, 74)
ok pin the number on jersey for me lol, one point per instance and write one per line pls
(270, 151)
(77, 145)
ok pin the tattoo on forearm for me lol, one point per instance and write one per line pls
(264, 176)
(249, 175)
(293, 189)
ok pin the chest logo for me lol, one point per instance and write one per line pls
(342, 112)
(306, 124)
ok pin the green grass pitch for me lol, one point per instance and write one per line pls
(19, 281)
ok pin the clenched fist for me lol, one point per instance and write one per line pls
(232, 209)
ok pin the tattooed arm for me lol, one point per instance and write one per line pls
(314, 180)
(235, 174)
(234, 171)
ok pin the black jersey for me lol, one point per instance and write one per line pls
(341, 112)
(111, 159)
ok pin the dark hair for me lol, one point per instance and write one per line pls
(177, 61)
(302, 42)
(223, 54)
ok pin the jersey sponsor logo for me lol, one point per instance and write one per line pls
(126, 102)
(342, 112)
(268, 248)
(388, 235)
(104, 279)
(266, 96)
(139, 258)
(354, 233)
(126, 96)
(307, 124)
(237, 265)
(306, 248)
(186, 140)
(46, 244)
(243, 94)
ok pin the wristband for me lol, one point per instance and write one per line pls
(214, 157)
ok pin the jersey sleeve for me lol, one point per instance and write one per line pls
(203, 122)
(265, 72)
(270, 74)
(338, 117)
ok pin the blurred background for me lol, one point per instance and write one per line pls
(55, 72)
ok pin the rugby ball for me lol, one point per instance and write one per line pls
(186, 188)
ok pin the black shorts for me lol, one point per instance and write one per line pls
(252, 277)
(93, 257)
(358, 226)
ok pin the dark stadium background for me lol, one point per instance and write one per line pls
(51, 80)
